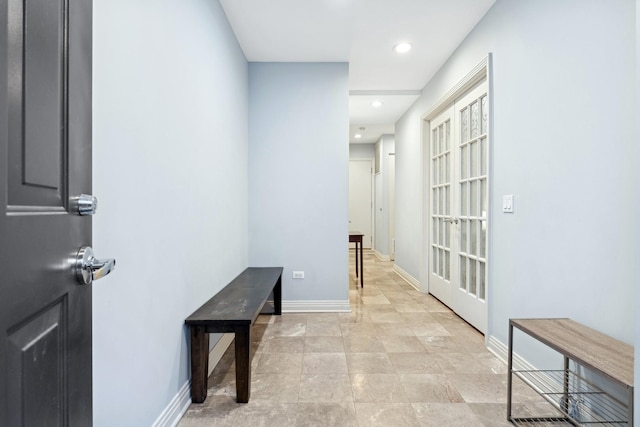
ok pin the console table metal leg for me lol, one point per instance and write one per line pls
(199, 363)
(243, 363)
(565, 387)
(510, 371)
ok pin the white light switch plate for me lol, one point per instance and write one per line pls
(298, 274)
(507, 203)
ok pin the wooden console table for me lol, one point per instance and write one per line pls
(232, 310)
(356, 237)
(577, 399)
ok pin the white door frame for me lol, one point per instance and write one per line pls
(480, 72)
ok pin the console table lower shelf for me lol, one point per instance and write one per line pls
(573, 399)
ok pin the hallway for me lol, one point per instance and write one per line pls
(400, 358)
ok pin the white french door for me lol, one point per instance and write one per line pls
(441, 142)
(459, 206)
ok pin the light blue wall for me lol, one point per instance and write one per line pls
(298, 175)
(170, 171)
(563, 145)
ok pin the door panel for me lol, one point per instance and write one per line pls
(472, 152)
(37, 58)
(361, 199)
(440, 232)
(45, 153)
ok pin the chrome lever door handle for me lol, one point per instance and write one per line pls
(88, 268)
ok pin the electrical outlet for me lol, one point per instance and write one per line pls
(298, 274)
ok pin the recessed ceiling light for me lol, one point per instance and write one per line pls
(402, 47)
(357, 136)
(376, 104)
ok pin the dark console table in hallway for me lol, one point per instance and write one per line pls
(356, 237)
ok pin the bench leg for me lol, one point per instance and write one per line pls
(277, 296)
(199, 363)
(243, 363)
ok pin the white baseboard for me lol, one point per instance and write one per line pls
(501, 351)
(173, 413)
(407, 277)
(329, 306)
(381, 256)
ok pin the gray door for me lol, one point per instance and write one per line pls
(45, 160)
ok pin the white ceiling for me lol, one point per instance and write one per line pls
(363, 33)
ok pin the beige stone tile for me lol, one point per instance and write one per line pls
(326, 414)
(354, 343)
(415, 318)
(293, 329)
(356, 316)
(461, 363)
(492, 414)
(445, 414)
(378, 308)
(495, 365)
(369, 363)
(481, 388)
(382, 388)
(409, 308)
(274, 387)
(388, 317)
(441, 344)
(265, 414)
(323, 344)
(323, 329)
(415, 363)
(393, 329)
(386, 415)
(325, 388)
(313, 363)
(359, 329)
(423, 329)
(278, 363)
(378, 299)
(430, 388)
(400, 344)
(282, 345)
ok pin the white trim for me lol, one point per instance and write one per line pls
(474, 76)
(407, 277)
(381, 256)
(501, 351)
(325, 306)
(173, 413)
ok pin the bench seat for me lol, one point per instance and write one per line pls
(232, 310)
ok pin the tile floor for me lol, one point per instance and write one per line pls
(400, 358)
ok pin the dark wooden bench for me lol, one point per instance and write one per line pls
(233, 309)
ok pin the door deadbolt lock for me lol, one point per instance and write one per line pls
(84, 204)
